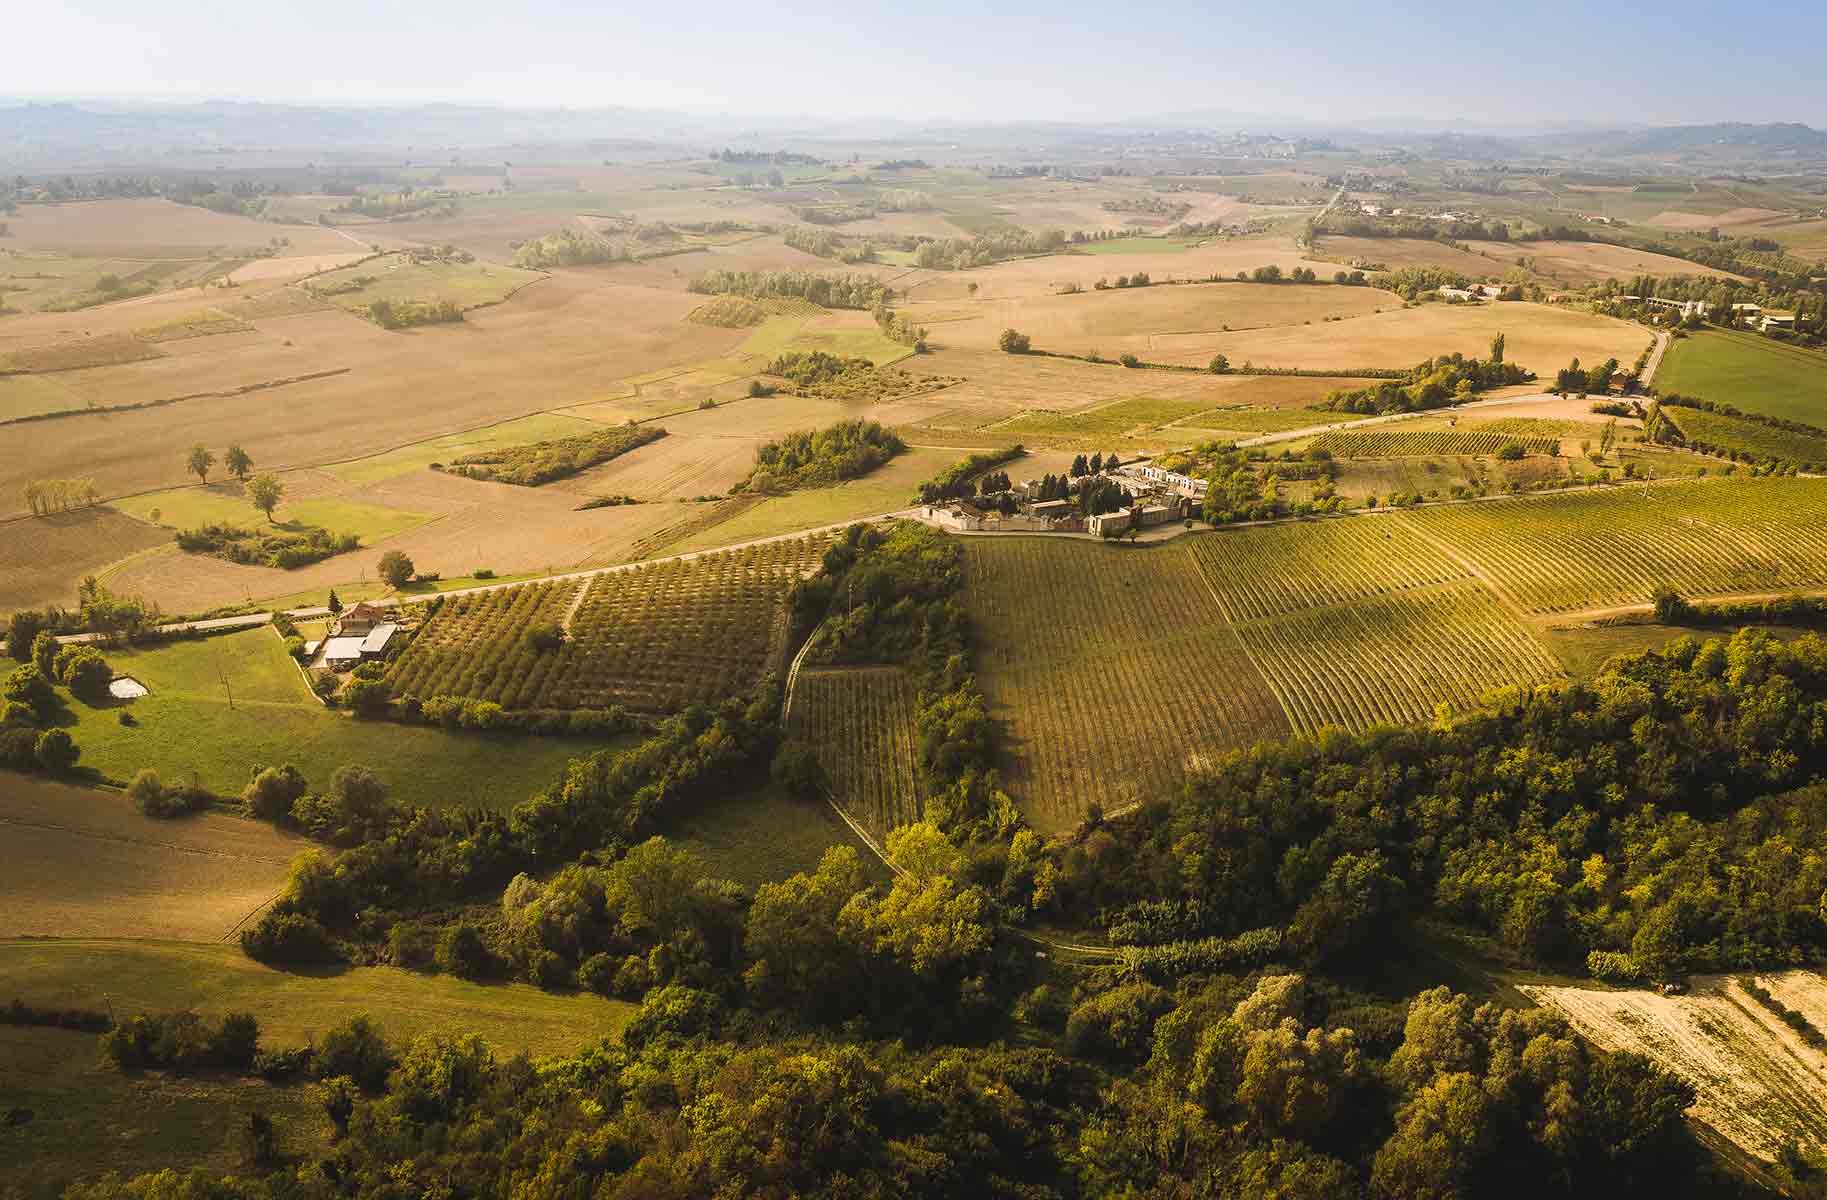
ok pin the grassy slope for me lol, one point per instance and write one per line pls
(1735, 433)
(89, 1118)
(152, 976)
(222, 504)
(764, 836)
(1748, 372)
(537, 428)
(886, 489)
(187, 726)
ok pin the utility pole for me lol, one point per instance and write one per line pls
(223, 676)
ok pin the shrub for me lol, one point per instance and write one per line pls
(597, 974)
(28, 686)
(796, 768)
(1118, 1024)
(673, 1012)
(368, 697)
(19, 747)
(483, 573)
(1509, 452)
(85, 672)
(272, 791)
(1613, 967)
(1129, 360)
(395, 568)
(354, 1049)
(1014, 342)
(412, 946)
(289, 939)
(545, 636)
(56, 751)
(464, 954)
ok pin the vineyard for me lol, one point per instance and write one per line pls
(860, 722)
(651, 638)
(1721, 433)
(1615, 546)
(1422, 443)
(1110, 669)
(476, 647)
(1269, 570)
(1394, 659)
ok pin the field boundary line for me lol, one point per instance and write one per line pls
(799, 659)
(99, 836)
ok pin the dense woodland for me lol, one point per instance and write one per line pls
(818, 458)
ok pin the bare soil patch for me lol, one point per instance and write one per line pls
(153, 228)
(1758, 1083)
(1591, 262)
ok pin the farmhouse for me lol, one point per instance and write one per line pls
(1776, 320)
(1174, 481)
(359, 620)
(1453, 293)
(347, 649)
(340, 652)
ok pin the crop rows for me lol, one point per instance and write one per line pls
(1416, 443)
(1553, 554)
(1394, 659)
(652, 638)
(860, 722)
(669, 633)
(1261, 572)
(476, 646)
(1110, 670)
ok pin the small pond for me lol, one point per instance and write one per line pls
(126, 687)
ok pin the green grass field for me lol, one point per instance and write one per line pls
(223, 504)
(1749, 372)
(395, 278)
(886, 489)
(89, 1118)
(1750, 437)
(540, 427)
(29, 395)
(187, 726)
(1139, 245)
(1108, 421)
(149, 976)
(779, 335)
(763, 836)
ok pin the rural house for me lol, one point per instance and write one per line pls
(359, 620)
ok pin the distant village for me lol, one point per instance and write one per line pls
(1145, 497)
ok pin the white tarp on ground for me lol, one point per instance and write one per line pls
(125, 687)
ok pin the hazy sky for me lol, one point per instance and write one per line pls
(991, 59)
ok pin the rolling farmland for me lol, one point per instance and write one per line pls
(860, 721)
(651, 638)
(1555, 554)
(1735, 435)
(1415, 443)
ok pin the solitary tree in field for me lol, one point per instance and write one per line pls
(335, 605)
(396, 568)
(1497, 348)
(971, 288)
(1013, 341)
(238, 462)
(266, 491)
(201, 460)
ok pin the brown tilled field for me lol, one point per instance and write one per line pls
(160, 229)
(1394, 253)
(1758, 1082)
(552, 345)
(43, 558)
(82, 863)
(1592, 262)
(1142, 320)
(1045, 276)
(1540, 337)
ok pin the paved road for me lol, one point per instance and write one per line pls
(1655, 360)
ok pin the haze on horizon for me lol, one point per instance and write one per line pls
(1474, 65)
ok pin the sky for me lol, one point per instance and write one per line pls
(1472, 63)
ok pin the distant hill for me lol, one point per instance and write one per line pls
(1726, 139)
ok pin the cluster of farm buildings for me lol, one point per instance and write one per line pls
(1155, 497)
(361, 633)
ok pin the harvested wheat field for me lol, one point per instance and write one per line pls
(43, 558)
(1757, 1080)
(1592, 262)
(1138, 320)
(1044, 276)
(152, 228)
(548, 346)
(83, 863)
(1539, 337)
(1394, 253)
